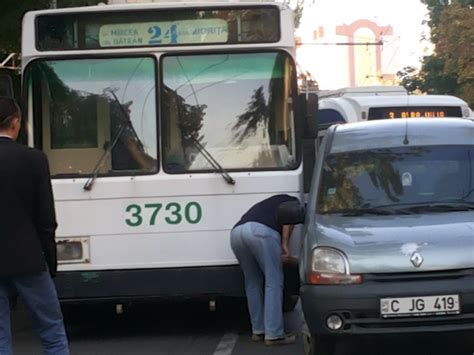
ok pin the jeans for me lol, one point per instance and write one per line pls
(258, 250)
(39, 296)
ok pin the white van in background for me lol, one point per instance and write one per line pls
(367, 103)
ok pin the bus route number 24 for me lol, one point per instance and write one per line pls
(171, 213)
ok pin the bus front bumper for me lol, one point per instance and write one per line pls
(74, 286)
(185, 282)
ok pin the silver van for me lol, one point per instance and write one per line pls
(389, 230)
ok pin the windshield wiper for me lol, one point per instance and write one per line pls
(442, 206)
(434, 206)
(376, 210)
(126, 122)
(211, 160)
(208, 156)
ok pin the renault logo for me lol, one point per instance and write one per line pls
(416, 259)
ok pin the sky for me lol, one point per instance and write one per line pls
(328, 63)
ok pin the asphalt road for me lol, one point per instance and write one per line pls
(189, 328)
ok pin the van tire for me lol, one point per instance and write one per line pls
(289, 302)
(319, 345)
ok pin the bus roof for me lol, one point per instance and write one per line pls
(154, 5)
(30, 39)
(408, 100)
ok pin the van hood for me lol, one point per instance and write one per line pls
(385, 244)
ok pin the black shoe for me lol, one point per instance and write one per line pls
(286, 339)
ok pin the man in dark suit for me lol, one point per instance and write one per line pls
(27, 232)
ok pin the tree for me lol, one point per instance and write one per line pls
(431, 80)
(298, 12)
(12, 12)
(455, 36)
(450, 70)
(257, 114)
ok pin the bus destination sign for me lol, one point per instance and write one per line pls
(163, 33)
(377, 113)
(417, 114)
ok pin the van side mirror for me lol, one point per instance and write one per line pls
(291, 212)
(6, 86)
(308, 106)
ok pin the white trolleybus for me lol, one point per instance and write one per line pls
(163, 123)
(354, 104)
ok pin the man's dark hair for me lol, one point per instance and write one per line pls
(8, 110)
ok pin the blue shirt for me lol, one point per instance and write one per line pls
(265, 212)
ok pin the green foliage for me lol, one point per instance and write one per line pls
(450, 70)
(409, 79)
(436, 9)
(431, 80)
(298, 12)
(12, 12)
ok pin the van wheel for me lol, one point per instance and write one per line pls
(318, 345)
(307, 346)
(469, 340)
(289, 302)
(323, 345)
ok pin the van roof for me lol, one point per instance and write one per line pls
(395, 133)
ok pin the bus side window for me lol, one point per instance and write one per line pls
(328, 117)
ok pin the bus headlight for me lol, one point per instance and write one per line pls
(72, 250)
(330, 267)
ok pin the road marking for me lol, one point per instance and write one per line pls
(226, 345)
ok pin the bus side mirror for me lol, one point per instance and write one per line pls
(290, 212)
(308, 103)
(6, 86)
